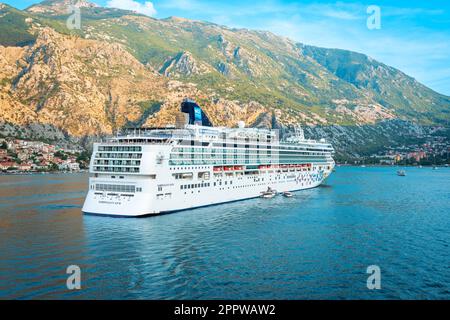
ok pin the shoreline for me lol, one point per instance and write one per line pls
(27, 173)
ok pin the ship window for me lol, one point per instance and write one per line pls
(116, 188)
(203, 175)
(183, 175)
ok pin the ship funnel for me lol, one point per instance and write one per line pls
(196, 114)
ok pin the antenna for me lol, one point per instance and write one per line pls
(298, 132)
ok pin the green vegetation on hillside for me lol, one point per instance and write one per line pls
(14, 28)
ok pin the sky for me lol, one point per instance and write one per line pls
(413, 36)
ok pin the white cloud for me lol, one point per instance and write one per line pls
(146, 8)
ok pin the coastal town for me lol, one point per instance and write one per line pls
(431, 149)
(19, 156)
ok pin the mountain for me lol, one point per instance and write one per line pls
(122, 68)
(59, 7)
(388, 86)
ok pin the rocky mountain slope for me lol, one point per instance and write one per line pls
(123, 68)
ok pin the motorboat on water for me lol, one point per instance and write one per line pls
(401, 173)
(269, 193)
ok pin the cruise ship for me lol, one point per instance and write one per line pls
(150, 171)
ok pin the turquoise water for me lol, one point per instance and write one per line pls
(316, 245)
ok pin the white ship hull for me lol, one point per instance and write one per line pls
(171, 198)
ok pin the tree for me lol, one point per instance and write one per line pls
(61, 155)
(83, 156)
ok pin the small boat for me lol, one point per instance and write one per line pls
(401, 173)
(270, 193)
(435, 168)
(267, 195)
(287, 194)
